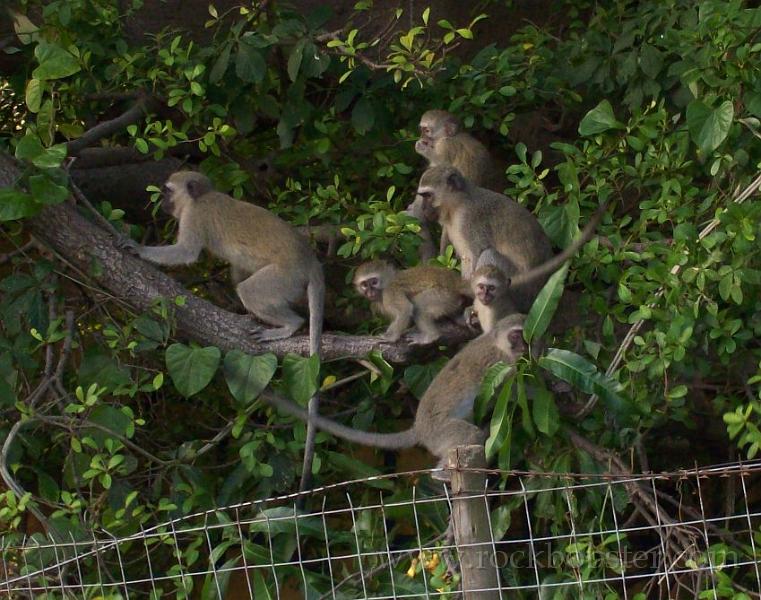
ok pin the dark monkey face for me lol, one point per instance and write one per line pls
(167, 198)
(370, 288)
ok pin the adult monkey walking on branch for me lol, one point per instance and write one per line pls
(271, 264)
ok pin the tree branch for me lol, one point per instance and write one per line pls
(138, 283)
(107, 128)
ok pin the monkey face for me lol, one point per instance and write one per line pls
(485, 290)
(515, 340)
(429, 209)
(167, 198)
(370, 287)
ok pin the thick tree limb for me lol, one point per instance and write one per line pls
(93, 250)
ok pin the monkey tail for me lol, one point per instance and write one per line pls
(316, 300)
(552, 265)
(386, 441)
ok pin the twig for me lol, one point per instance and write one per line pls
(79, 195)
(107, 128)
(20, 250)
(72, 424)
(12, 484)
(634, 329)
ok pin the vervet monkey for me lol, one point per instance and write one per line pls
(478, 220)
(422, 294)
(272, 265)
(444, 416)
(443, 143)
(491, 293)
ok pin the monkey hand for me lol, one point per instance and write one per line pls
(471, 318)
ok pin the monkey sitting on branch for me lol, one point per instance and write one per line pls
(478, 220)
(442, 142)
(423, 294)
(444, 417)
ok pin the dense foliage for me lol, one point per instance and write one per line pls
(655, 105)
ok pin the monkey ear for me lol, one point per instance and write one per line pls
(508, 281)
(455, 181)
(194, 189)
(515, 336)
(450, 128)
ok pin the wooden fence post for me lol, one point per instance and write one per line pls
(470, 524)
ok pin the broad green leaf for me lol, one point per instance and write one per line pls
(500, 422)
(250, 65)
(46, 191)
(294, 60)
(650, 60)
(418, 377)
(301, 376)
(545, 411)
(583, 375)
(29, 147)
(545, 305)
(246, 375)
(191, 369)
(494, 377)
(16, 205)
(708, 126)
(363, 116)
(33, 95)
(220, 65)
(599, 119)
(112, 419)
(55, 62)
(50, 157)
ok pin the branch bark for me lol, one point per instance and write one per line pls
(94, 251)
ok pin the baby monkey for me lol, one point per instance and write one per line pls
(421, 294)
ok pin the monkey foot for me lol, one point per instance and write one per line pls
(420, 339)
(444, 476)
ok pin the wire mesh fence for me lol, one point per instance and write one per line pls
(691, 533)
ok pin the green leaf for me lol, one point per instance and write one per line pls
(545, 305)
(709, 127)
(51, 157)
(599, 119)
(46, 191)
(191, 369)
(545, 412)
(583, 375)
(29, 147)
(499, 426)
(220, 65)
(363, 116)
(493, 378)
(33, 96)
(250, 66)
(650, 60)
(294, 60)
(16, 205)
(301, 376)
(246, 375)
(55, 62)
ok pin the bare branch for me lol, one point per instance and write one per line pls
(107, 128)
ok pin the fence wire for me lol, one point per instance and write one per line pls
(691, 533)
